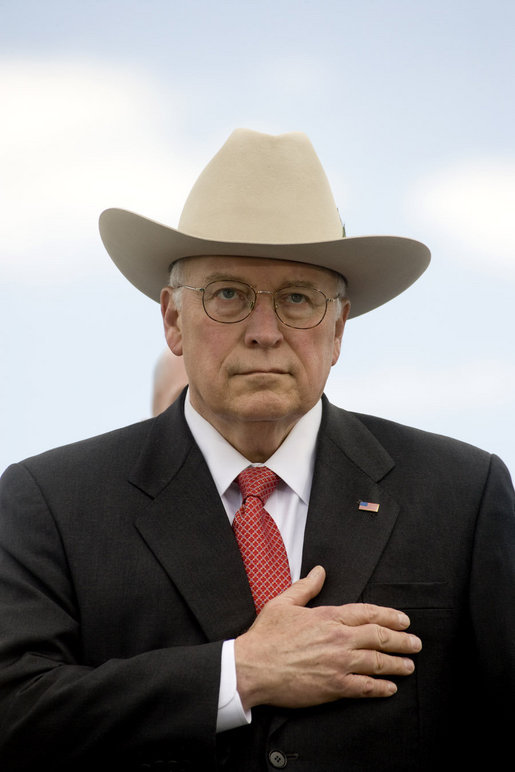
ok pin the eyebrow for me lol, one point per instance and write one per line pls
(218, 276)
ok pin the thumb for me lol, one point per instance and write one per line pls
(304, 590)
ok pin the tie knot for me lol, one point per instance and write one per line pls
(257, 481)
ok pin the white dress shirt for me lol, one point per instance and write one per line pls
(293, 462)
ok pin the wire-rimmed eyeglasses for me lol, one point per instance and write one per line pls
(229, 302)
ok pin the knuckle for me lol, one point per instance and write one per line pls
(379, 662)
(341, 682)
(369, 612)
(382, 635)
(271, 605)
(343, 637)
(325, 612)
(368, 686)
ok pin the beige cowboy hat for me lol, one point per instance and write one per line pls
(264, 196)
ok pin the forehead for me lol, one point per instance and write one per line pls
(256, 269)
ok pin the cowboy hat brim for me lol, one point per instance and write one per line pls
(377, 268)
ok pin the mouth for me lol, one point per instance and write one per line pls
(257, 371)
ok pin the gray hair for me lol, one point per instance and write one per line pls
(176, 278)
(341, 292)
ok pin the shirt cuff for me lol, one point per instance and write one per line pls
(230, 710)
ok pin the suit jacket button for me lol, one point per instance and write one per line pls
(277, 759)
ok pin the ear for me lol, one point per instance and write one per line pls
(338, 330)
(171, 321)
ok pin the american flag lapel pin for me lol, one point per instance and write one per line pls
(368, 506)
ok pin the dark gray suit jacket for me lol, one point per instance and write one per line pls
(120, 578)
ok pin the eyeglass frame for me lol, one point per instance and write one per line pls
(253, 303)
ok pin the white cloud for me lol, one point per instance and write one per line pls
(76, 137)
(473, 205)
(405, 393)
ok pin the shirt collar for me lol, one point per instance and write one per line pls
(293, 461)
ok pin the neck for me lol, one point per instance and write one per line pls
(256, 441)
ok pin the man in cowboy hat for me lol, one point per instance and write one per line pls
(255, 579)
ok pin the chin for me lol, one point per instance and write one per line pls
(266, 406)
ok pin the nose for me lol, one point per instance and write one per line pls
(263, 327)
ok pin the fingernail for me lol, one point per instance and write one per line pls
(410, 667)
(416, 643)
(404, 620)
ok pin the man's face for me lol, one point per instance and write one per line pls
(257, 370)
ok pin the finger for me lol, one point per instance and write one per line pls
(377, 638)
(361, 686)
(378, 664)
(354, 614)
(304, 590)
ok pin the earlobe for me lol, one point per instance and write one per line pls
(171, 321)
(336, 350)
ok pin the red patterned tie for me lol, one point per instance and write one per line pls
(258, 537)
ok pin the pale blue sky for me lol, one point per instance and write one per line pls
(116, 103)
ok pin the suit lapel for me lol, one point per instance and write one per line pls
(348, 542)
(186, 527)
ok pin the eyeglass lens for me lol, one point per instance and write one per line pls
(233, 301)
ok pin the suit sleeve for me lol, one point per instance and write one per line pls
(492, 584)
(54, 711)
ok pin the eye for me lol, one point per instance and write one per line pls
(296, 298)
(218, 291)
(228, 301)
(227, 293)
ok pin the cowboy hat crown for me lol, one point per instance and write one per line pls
(264, 196)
